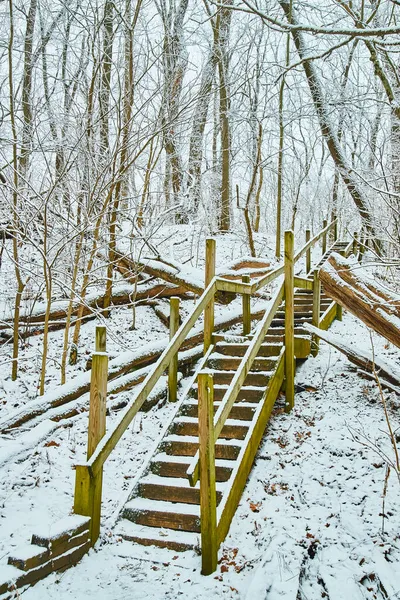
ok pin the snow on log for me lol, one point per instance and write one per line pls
(367, 300)
(123, 294)
(386, 371)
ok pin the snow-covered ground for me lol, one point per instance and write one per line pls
(309, 524)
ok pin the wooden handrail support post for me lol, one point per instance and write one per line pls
(316, 310)
(246, 308)
(289, 320)
(173, 365)
(209, 275)
(355, 243)
(208, 497)
(88, 487)
(308, 254)
(324, 237)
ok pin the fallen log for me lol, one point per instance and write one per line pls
(122, 365)
(367, 300)
(192, 279)
(123, 294)
(387, 372)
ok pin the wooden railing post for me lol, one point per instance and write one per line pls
(173, 365)
(208, 500)
(100, 339)
(335, 230)
(209, 275)
(316, 310)
(308, 253)
(246, 308)
(289, 320)
(324, 236)
(88, 488)
(355, 243)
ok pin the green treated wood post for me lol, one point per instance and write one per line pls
(173, 365)
(209, 275)
(316, 310)
(88, 488)
(355, 243)
(208, 495)
(246, 308)
(308, 253)
(324, 236)
(289, 320)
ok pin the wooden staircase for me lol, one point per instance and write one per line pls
(163, 508)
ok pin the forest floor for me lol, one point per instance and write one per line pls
(311, 522)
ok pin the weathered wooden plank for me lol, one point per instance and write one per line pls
(289, 320)
(316, 309)
(209, 276)
(246, 308)
(173, 365)
(328, 317)
(208, 501)
(303, 283)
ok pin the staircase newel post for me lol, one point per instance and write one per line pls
(209, 276)
(355, 243)
(289, 319)
(324, 236)
(316, 310)
(246, 308)
(208, 496)
(308, 253)
(173, 365)
(335, 230)
(88, 487)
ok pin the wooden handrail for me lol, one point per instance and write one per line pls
(313, 241)
(238, 380)
(109, 442)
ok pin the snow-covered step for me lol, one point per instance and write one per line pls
(179, 541)
(220, 362)
(240, 349)
(233, 429)
(173, 489)
(156, 513)
(258, 378)
(242, 411)
(248, 393)
(167, 465)
(186, 445)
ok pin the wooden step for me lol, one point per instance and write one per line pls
(170, 489)
(232, 430)
(272, 349)
(299, 331)
(156, 513)
(185, 445)
(231, 363)
(178, 541)
(166, 465)
(258, 378)
(246, 394)
(243, 411)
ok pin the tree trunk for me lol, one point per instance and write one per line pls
(331, 139)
